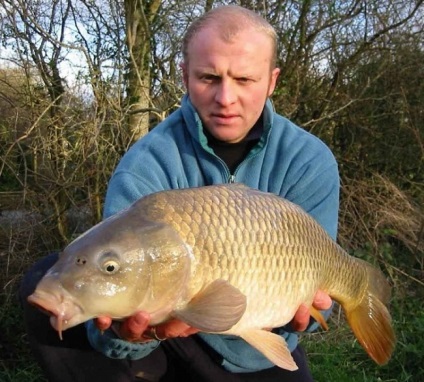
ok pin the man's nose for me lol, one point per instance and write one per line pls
(225, 93)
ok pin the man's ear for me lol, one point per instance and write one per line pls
(273, 80)
(184, 68)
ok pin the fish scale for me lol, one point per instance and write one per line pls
(226, 259)
(262, 235)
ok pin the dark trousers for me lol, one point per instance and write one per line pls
(181, 359)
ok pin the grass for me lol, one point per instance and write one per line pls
(334, 356)
(16, 361)
(338, 357)
(16, 254)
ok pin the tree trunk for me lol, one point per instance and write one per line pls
(139, 16)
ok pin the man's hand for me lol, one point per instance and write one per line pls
(300, 322)
(136, 328)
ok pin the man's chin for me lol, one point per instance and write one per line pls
(226, 133)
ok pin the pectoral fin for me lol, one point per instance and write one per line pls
(216, 308)
(272, 346)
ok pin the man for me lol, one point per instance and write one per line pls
(226, 130)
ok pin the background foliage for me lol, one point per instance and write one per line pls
(80, 81)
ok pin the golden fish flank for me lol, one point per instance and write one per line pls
(224, 259)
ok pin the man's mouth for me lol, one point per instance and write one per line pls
(224, 118)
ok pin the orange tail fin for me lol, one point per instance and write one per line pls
(370, 320)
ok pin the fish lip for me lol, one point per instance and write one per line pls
(62, 309)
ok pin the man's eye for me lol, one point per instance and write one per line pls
(210, 78)
(243, 80)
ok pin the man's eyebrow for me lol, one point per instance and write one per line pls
(206, 71)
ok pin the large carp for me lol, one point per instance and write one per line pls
(224, 259)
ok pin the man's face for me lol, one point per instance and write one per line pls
(229, 82)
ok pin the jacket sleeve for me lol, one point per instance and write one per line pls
(133, 178)
(123, 190)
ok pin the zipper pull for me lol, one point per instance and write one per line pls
(232, 179)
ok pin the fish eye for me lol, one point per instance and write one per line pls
(110, 267)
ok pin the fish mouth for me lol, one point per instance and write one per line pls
(64, 312)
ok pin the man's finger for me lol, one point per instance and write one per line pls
(301, 319)
(322, 301)
(133, 327)
(103, 323)
(175, 328)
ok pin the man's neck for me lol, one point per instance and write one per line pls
(234, 153)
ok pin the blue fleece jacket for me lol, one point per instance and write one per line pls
(287, 161)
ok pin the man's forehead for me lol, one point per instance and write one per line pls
(208, 49)
(209, 34)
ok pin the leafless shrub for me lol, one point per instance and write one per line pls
(375, 211)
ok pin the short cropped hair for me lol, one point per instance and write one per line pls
(230, 20)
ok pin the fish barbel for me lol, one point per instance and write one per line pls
(224, 259)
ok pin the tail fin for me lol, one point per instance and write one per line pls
(370, 320)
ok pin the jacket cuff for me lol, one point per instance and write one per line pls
(111, 346)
